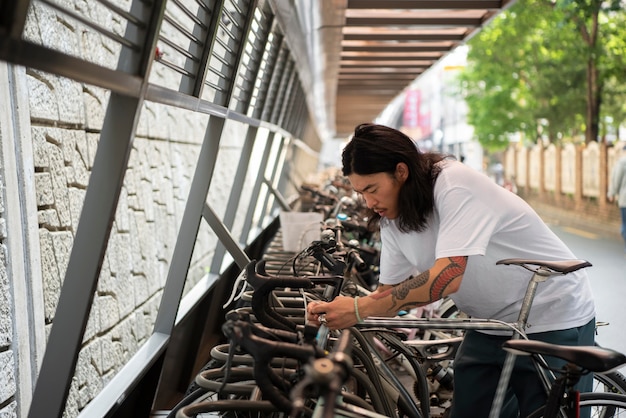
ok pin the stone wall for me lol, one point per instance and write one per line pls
(50, 128)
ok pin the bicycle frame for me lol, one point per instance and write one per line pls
(564, 398)
(517, 329)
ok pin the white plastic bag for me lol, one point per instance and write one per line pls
(300, 229)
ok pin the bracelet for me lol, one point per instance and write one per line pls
(356, 310)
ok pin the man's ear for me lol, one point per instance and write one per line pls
(402, 171)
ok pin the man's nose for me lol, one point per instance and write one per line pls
(369, 201)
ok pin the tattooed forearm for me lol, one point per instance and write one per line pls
(455, 269)
(401, 291)
(434, 283)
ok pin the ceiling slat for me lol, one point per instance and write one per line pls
(387, 44)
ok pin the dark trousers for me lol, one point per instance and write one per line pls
(477, 369)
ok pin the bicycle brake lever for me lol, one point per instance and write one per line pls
(240, 278)
(227, 366)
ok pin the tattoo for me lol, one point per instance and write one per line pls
(455, 269)
(401, 291)
(399, 294)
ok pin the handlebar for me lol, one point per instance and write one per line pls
(263, 285)
(320, 251)
(248, 336)
(328, 373)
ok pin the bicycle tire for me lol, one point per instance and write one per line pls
(420, 387)
(612, 382)
(601, 404)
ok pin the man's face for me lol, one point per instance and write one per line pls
(380, 192)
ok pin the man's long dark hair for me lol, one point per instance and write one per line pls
(377, 149)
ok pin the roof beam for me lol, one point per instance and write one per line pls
(424, 22)
(404, 37)
(426, 4)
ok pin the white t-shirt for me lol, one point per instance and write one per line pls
(475, 217)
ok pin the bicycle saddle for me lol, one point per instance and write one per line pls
(562, 266)
(593, 358)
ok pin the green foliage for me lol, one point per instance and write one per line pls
(612, 66)
(527, 70)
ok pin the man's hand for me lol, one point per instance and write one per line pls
(429, 286)
(338, 314)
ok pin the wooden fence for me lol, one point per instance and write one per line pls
(572, 177)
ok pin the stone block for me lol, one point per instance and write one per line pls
(9, 411)
(8, 386)
(96, 101)
(56, 31)
(6, 304)
(87, 373)
(42, 99)
(62, 243)
(73, 396)
(138, 261)
(122, 215)
(50, 274)
(40, 156)
(93, 325)
(80, 164)
(123, 335)
(59, 184)
(76, 201)
(97, 48)
(43, 189)
(108, 308)
(112, 354)
(48, 98)
(141, 290)
(153, 121)
(146, 199)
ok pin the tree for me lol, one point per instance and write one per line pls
(613, 68)
(585, 14)
(514, 80)
(541, 69)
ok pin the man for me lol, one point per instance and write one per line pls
(617, 188)
(443, 227)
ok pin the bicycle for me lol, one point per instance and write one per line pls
(563, 398)
(264, 312)
(436, 351)
(327, 375)
(541, 273)
(319, 391)
(275, 372)
(542, 270)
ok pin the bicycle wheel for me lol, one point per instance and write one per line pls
(612, 382)
(601, 405)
